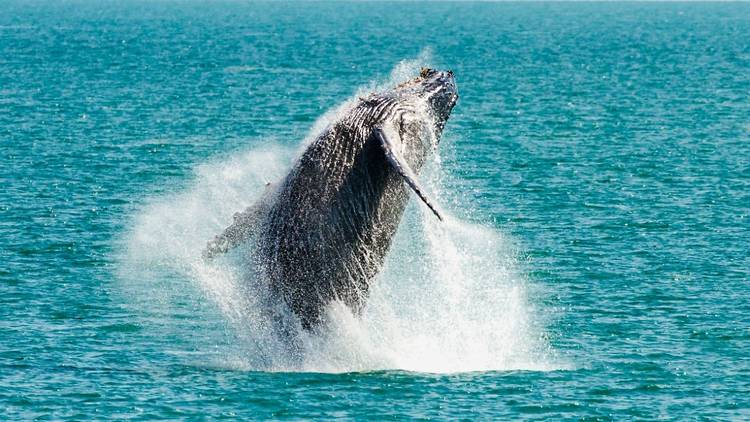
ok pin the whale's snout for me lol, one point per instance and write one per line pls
(441, 91)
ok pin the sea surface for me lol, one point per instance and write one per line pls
(595, 262)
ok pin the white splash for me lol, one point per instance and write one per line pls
(450, 297)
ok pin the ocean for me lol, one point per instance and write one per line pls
(595, 174)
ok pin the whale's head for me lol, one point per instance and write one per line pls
(435, 90)
(418, 108)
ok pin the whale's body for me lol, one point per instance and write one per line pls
(323, 232)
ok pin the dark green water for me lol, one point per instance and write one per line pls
(597, 167)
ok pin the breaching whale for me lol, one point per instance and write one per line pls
(322, 233)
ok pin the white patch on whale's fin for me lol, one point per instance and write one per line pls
(244, 226)
(402, 167)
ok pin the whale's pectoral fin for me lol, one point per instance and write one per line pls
(244, 226)
(397, 161)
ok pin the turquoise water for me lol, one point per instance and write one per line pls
(596, 168)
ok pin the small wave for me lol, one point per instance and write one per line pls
(241, 69)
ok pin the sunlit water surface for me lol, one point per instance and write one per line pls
(595, 174)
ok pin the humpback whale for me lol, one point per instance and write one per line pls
(322, 233)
